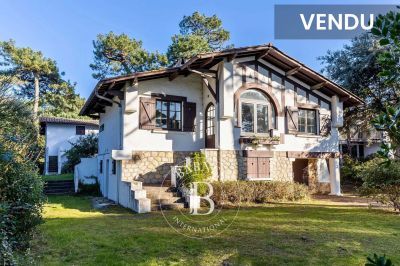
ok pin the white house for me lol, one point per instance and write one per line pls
(59, 134)
(256, 113)
(361, 143)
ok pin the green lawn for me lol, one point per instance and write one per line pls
(281, 234)
(58, 177)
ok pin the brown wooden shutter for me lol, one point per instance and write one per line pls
(263, 167)
(324, 122)
(189, 115)
(252, 167)
(147, 113)
(292, 118)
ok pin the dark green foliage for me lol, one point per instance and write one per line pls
(356, 67)
(22, 65)
(90, 189)
(198, 34)
(381, 181)
(116, 55)
(199, 170)
(257, 192)
(387, 29)
(389, 121)
(349, 171)
(378, 261)
(21, 188)
(85, 147)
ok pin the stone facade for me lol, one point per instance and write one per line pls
(232, 165)
(212, 156)
(151, 167)
(281, 168)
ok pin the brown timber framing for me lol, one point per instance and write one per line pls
(273, 56)
(318, 86)
(284, 78)
(210, 89)
(293, 71)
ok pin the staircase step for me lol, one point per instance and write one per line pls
(172, 206)
(59, 187)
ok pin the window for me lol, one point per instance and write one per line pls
(258, 114)
(114, 167)
(101, 167)
(80, 130)
(210, 127)
(168, 115)
(307, 121)
(101, 129)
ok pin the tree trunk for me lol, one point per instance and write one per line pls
(36, 99)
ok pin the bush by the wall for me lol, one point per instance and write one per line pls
(257, 192)
(199, 170)
(382, 181)
(85, 147)
(90, 189)
(21, 188)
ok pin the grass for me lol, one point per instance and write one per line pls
(280, 234)
(61, 177)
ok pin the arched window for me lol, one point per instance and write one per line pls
(257, 112)
(210, 126)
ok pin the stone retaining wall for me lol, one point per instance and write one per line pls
(154, 166)
(151, 166)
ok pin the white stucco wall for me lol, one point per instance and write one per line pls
(229, 134)
(153, 140)
(59, 138)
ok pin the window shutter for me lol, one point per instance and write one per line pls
(324, 124)
(147, 113)
(263, 167)
(292, 118)
(189, 115)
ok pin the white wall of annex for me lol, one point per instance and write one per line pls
(161, 140)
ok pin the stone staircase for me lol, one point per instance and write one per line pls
(59, 187)
(163, 197)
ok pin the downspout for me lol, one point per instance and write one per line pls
(219, 122)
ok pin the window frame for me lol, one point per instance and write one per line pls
(210, 127)
(306, 121)
(113, 167)
(78, 132)
(169, 101)
(255, 103)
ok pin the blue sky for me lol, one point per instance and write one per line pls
(64, 30)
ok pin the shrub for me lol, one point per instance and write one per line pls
(258, 192)
(85, 147)
(90, 189)
(382, 181)
(21, 188)
(350, 170)
(198, 171)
